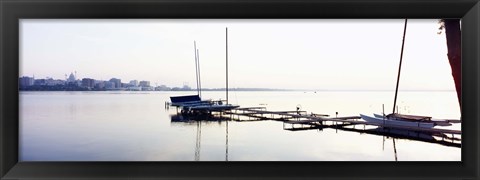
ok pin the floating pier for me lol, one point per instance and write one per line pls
(301, 120)
(302, 117)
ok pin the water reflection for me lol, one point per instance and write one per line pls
(198, 141)
(393, 133)
(226, 141)
(395, 149)
(198, 120)
(100, 126)
(389, 133)
(185, 118)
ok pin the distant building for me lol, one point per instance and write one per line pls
(134, 88)
(109, 85)
(88, 83)
(54, 82)
(25, 81)
(71, 78)
(40, 82)
(144, 84)
(133, 83)
(162, 88)
(186, 88)
(147, 88)
(99, 84)
(117, 82)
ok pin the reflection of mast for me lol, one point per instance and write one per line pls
(383, 145)
(395, 149)
(226, 141)
(198, 141)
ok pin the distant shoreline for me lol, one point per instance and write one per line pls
(247, 89)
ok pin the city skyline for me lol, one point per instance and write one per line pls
(189, 88)
(283, 54)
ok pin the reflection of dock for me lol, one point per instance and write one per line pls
(437, 138)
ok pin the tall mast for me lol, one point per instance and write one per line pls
(226, 59)
(199, 77)
(226, 90)
(399, 66)
(196, 65)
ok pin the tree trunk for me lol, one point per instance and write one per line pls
(453, 35)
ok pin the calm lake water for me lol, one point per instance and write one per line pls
(135, 126)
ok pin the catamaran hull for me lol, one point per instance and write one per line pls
(436, 122)
(390, 122)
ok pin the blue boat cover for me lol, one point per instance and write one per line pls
(181, 99)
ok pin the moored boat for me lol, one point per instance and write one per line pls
(437, 122)
(194, 103)
(388, 121)
(405, 117)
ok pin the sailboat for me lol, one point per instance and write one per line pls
(396, 119)
(194, 104)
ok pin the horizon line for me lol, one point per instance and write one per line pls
(261, 88)
(286, 89)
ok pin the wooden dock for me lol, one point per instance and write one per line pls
(302, 117)
(302, 120)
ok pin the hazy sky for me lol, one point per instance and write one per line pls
(289, 54)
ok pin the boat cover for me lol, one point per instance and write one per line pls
(410, 117)
(182, 99)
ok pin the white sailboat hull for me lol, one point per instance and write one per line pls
(378, 119)
(436, 122)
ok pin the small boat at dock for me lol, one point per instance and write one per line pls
(437, 122)
(405, 117)
(193, 103)
(392, 121)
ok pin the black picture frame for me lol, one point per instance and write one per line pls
(13, 10)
